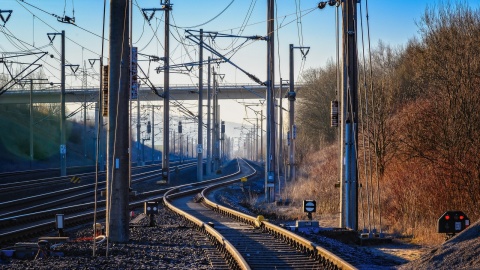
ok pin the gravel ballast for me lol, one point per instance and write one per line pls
(171, 244)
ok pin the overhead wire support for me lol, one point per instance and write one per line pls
(150, 84)
(5, 19)
(213, 35)
(196, 40)
(64, 19)
(150, 17)
(291, 95)
(14, 79)
(188, 66)
(152, 58)
(270, 164)
(166, 7)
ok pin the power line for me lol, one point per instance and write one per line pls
(54, 28)
(202, 24)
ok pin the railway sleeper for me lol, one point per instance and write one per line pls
(311, 252)
(232, 263)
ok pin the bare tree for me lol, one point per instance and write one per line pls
(445, 134)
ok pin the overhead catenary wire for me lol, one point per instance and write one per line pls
(377, 174)
(99, 131)
(215, 17)
(73, 41)
(367, 147)
(364, 118)
(12, 37)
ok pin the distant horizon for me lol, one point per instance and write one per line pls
(298, 23)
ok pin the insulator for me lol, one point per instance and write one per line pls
(334, 113)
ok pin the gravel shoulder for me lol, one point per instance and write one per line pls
(171, 244)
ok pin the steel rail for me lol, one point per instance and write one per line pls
(139, 177)
(81, 218)
(37, 212)
(234, 259)
(323, 256)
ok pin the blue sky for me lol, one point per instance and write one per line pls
(393, 22)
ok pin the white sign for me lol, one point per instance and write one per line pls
(458, 226)
(63, 149)
(309, 206)
(199, 148)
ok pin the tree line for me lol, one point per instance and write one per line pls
(420, 120)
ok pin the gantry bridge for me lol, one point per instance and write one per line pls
(177, 92)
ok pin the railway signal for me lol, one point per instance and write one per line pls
(452, 222)
(151, 208)
(59, 223)
(309, 206)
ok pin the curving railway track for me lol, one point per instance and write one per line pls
(246, 241)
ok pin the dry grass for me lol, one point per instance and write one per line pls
(316, 181)
(409, 207)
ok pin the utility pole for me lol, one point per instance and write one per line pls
(256, 139)
(63, 143)
(222, 138)
(270, 166)
(200, 112)
(216, 122)
(99, 150)
(291, 121)
(31, 122)
(118, 129)
(209, 140)
(293, 129)
(138, 131)
(214, 129)
(63, 136)
(261, 136)
(166, 95)
(217, 135)
(31, 151)
(280, 129)
(180, 138)
(84, 85)
(173, 142)
(349, 118)
(187, 147)
(153, 134)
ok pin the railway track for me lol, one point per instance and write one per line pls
(29, 175)
(20, 225)
(69, 195)
(15, 176)
(246, 241)
(31, 181)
